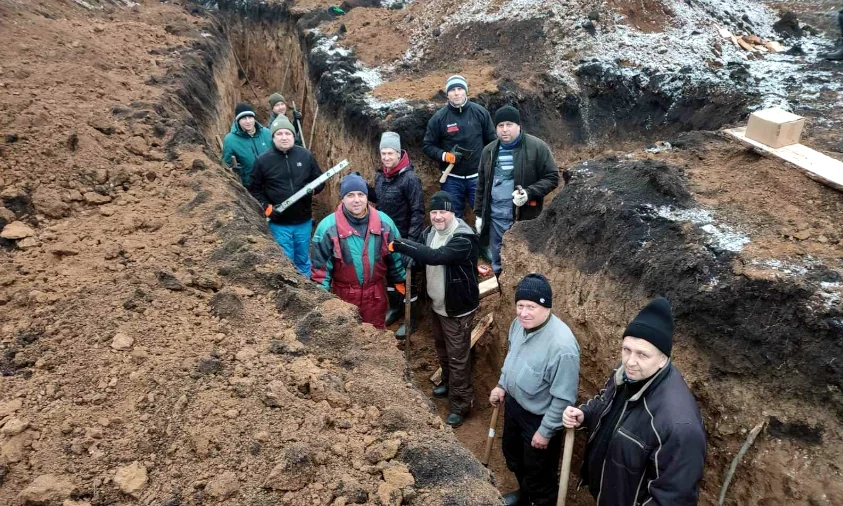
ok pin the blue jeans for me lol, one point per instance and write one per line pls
(295, 241)
(460, 190)
(497, 228)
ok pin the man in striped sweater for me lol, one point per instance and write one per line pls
(516, 172)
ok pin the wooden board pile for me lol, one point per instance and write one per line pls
(753, 44)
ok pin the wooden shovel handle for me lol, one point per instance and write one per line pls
(493, 424)
(566, 467)
(445, 174)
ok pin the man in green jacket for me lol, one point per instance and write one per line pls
(279, 108)
(516, 172)
(246, 141)
(350, 254)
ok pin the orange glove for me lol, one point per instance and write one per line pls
(390, 247)
(450, 158)
(401, 288)
(268, 210)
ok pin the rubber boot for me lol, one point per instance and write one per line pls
(512, 498)
(454, 420)
(396, 306)
(834, 55)
(401, 333)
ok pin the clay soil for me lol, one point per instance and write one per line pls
(155, 345)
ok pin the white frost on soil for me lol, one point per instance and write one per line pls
(719, 235)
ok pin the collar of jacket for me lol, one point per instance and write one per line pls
(403, 163)
(651, 383)
(458, 109)
(344, 228)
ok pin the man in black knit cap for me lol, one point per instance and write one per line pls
(646, 442)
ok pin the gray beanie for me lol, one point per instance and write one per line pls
(391, 140)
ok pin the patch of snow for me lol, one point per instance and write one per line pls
(719, 235)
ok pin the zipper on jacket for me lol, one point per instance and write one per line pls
(603, 468)
(289, 173)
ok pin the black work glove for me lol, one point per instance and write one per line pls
(296, 115)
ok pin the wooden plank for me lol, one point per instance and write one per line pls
(815, 165)
(489, 287)
(476, 334)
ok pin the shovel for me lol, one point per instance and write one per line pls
(460, 151)
(408, 311)
(566, 467)
(493, 424)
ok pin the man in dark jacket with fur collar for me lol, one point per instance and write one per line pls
(646, 442)
(516, 172)
(449, 250)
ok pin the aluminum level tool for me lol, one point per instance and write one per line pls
(309, 187)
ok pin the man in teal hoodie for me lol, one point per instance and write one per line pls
(247, 140)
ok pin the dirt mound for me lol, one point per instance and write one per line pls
(156, 347)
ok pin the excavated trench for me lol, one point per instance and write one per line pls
(752, 349)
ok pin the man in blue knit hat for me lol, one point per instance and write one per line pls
(538, 381)
(350, 253)
(646, 440)
(462, 123)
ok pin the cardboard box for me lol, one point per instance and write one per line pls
(775, 127)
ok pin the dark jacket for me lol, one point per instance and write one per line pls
(402, 198)
(278, 175)
(657, 451)
(459, 256)
(246, 149)
(470, 127)
(534, 170)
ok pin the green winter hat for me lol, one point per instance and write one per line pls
(281, 123)
(276, 98)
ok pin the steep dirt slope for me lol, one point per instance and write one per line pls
(156, 346)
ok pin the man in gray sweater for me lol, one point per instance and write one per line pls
(538, 381)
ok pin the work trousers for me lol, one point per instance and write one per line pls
(295, 241)
(460, 191)
(536, 470)
(452, 337)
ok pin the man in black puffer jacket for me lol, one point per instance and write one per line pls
(278, 174)
(459, 123)
(401, 197)
(646, 440)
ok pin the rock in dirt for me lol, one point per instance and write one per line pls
(169, 281)
(136, 145)
(96, 199)
(28, 243)
(226, 305)
(47, 489)
(205, 283)
(295, 471)
(223, 486)
(389, 495)
(14, 427)
(385, 450)
(102, 125)
(398, 475)
(9, 407)
(48, 202)
(122, 342)
(75, 503)
(131, 479)
(16, 230)
(209, 365)
(277, 395)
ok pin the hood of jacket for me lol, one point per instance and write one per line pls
(402, 165)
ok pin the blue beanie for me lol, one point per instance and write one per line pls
(353, 183)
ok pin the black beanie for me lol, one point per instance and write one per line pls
(654, 324)
(243, 110)
(507, 113)
(441, 201)
(535, 288)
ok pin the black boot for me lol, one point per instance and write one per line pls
(401, 333)
(512, 498)
(396, 306)
(441, 392)
(834, 55)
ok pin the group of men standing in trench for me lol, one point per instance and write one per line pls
(646, 442)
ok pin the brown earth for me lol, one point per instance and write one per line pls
(157, 346)
(373, 34)
(430, 86)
